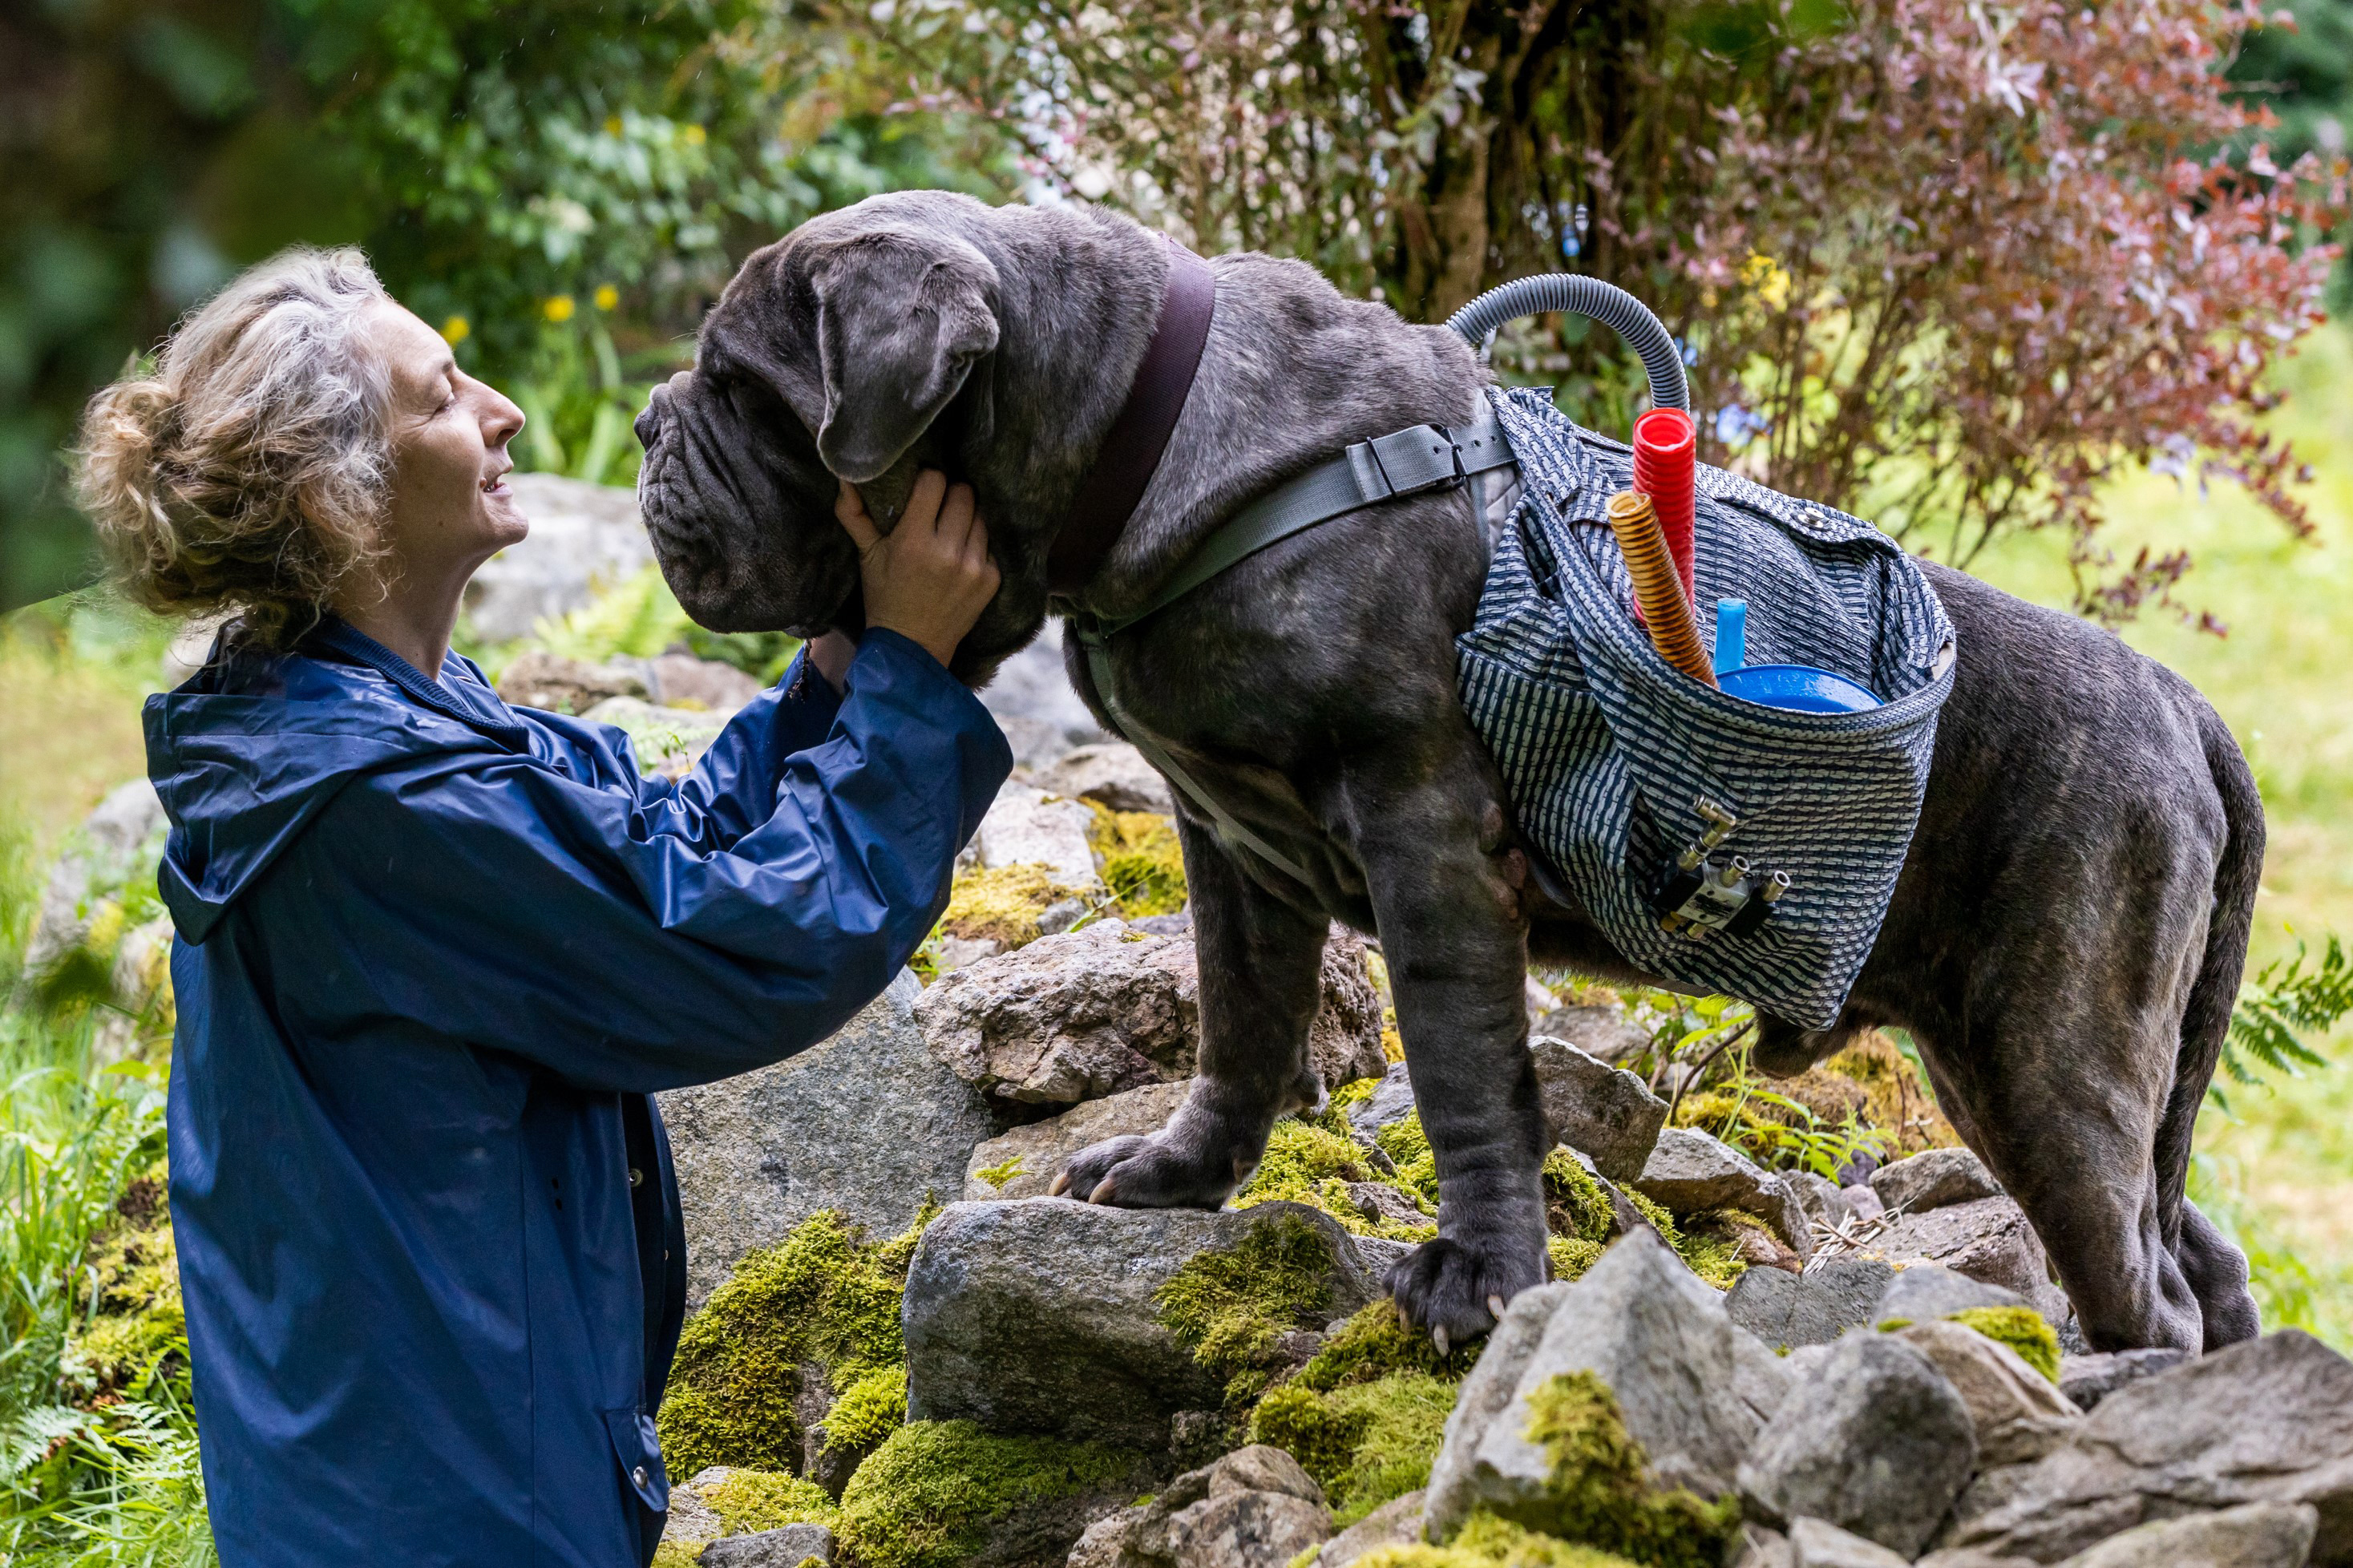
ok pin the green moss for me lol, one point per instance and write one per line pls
(1571, 1256)
(1600, 1491)
(1575, 1205)
(1364, 1442)
(929, 1496)
(1374, 1343)
(1001, 903)
(1142, 864)
(873, 1406)
(1311, 1162)
(129, 1324)
(2022, 1329)
(1710, 1257)
(1229, 1307)
(1354, 1093)
(1408, 1148)
(1486, 1542)
(678, 1555)
(998, 1174)
(822, 1295)
(751, 1500)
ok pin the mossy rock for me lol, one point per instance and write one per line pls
(1142, 863)
(1230, 1307)
(936, 1492)
(129, 1326)
(1407, 1147)
(1378, 1342)
(1002, 904)
(748, 1501)
(2022, 1329)
(1486, 1542)
(1364, 1442)
(1313, 1162)
(823, 1296)
(1599, 1491)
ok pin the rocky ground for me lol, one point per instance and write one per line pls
(1793, 1326)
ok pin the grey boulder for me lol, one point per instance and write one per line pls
(1390, 1104)
(1988, 1239)
(1070, 1018)
(1689, 1173)
(868, 1123)
(2253, 1535)
(583, 537)
(1601, 1031)
(2088, 1379)
(2268, 1420)
(118, 843)
(1112, 772)
(1025, 825)
(1824, 1201)
(1034, 1152)
(1253, 1508)
(2019, 1414)
(1647, 1327)
(1343, 1039)
(1397, 1522)
(555, 684)
(1926, 1291)
(1038, 1316)
(1787, 1310)
(1818, 1543)
(1876, 1442)
(1934, 1178)
(1598, 1109)
(786, 1547)
(1031, 699)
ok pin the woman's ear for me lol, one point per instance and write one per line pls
(901, 318)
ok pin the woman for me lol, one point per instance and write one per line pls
(436, 954)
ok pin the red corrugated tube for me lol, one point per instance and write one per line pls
(1666, 445)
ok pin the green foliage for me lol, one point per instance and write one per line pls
(822, 1296)
(1407, 1147)
(638, 616)
(927, 1498)
(2281, 1010)
(1142, 866)
(996, 1175)
(873, 1406)
(1228, 1307)
(750, 1501)
(1599, 1490)
(1364, 1442)
(2022, 1329)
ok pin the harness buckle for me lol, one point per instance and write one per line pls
(1408, 463)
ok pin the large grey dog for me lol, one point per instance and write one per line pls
(2065, 940)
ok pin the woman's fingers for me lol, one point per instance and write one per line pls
(922, 513)
(850, 508)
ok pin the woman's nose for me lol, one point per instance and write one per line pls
(504, 421)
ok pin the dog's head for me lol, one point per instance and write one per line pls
(833, 354)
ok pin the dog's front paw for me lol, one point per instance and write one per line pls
(1458, 1289)
(1156, 1172)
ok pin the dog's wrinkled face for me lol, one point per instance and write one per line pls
(831, 356)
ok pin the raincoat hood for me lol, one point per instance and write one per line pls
(256, 745)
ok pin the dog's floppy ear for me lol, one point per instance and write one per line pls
(900, 317)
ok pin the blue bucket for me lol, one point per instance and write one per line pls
(1794, 688)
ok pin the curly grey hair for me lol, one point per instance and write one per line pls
(250, 471)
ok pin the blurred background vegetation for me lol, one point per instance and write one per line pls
(2045, 296)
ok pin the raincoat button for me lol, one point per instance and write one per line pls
(636, 1177)
(638, 1475)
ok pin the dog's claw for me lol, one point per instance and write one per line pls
(1437, 1338)
(1496, 1305)
(1061, 1184)
(1102, 1192)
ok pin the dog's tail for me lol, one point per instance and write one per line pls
(2206, 1022)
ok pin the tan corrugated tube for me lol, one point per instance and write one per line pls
(1658, 588)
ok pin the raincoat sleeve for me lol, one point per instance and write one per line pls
(507, 906)
(732, 789)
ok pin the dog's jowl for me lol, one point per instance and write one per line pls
(2064, 941)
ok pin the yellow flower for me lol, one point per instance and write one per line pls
(456, 330)
(695, 136)
(607, 296)
(557, 308)
(612, 125)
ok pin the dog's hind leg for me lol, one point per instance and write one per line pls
(1452, 931)
(1262, 967)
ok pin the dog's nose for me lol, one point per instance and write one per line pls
(648, 421)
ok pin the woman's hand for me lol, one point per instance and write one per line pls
(929, 578)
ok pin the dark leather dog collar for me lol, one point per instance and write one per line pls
(1130, 452)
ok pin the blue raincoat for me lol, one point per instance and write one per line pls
(436, 954)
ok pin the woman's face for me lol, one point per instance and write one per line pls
(451, 508)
